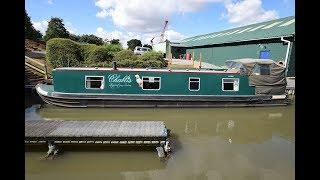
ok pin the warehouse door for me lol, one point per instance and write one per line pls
(264, 54)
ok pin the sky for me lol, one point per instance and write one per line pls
(144, 19)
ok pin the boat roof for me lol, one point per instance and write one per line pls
(142, 70)
(251, 60)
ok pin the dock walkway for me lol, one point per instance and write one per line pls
(104, 132)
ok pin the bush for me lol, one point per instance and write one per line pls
(63, 53)
(153, 59)
(152, 64)
(93, 54)
(86, 50)
(113, 48)
(100, 64)
(126, 63)
(124, 55)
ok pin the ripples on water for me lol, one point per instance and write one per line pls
(209, 143)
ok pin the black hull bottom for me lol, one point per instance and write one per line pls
(80, 103)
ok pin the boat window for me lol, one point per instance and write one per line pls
(194, 84)
(261, 69)
(230, 84)
(94, 82)
(151, 83)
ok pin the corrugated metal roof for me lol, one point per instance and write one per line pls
(265, 30)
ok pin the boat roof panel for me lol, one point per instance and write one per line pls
(141, 70)
(250, 60)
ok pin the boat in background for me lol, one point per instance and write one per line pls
(247, 82)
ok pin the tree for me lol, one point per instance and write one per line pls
(74, 37)
(56, 29)
(133, 43)
(29, 31)
(91, 39)
(115, 41)
(147, 45)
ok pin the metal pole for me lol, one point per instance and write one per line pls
(200, 61)
(193, 58)
(45, 71)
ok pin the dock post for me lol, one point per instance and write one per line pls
(161, 152)
(167, 147)
(164, 149)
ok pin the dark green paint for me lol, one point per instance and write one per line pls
(73, 81)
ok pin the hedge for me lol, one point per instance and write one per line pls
(94, 54)
(67, 53)
(113, 48)
(125, 55)
(62, 52)
(153, 59)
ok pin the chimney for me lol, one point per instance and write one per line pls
(114, 65)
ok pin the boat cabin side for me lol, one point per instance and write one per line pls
(108, 81)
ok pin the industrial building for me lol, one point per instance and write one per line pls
(267, 40)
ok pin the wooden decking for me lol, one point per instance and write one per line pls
(103, 132)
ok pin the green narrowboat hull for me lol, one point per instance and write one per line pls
(126, 87)
(80, 100)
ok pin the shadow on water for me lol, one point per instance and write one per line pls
(90, 148)
(31, 98)
(175, 143)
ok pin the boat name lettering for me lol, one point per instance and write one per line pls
(116, 81)
(116, 78)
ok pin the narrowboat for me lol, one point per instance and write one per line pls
(246, 82)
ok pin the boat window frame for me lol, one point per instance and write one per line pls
(199, 81)
(222, 85)
(102, 82)
(151, 77)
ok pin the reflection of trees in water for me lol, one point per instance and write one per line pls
(253, 127)
(213, 158)
(191, 128)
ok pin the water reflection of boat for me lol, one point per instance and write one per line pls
(247, 82)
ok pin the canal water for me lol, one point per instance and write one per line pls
(209, 143)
